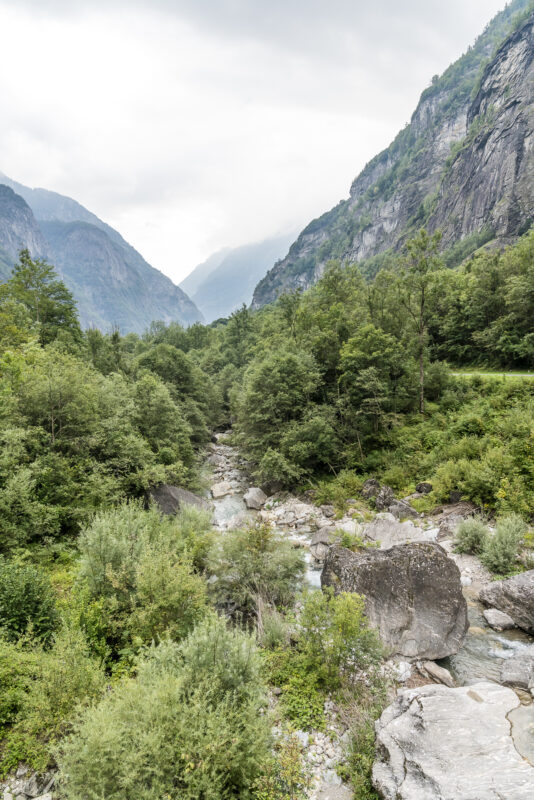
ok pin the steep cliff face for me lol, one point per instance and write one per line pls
(111, 282)
(453, 167)
(18, 229)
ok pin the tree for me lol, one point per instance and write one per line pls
(35, 284)
(421, 261)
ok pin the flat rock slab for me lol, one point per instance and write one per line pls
(514, 596)
(436, 743)
(413, 596)
(221, 489)
(389, 532)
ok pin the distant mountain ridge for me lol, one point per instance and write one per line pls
(227, 279)
(111, 282)
(464, 164)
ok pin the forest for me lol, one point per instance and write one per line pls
(116, 663)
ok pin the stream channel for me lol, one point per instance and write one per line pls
(484, 650)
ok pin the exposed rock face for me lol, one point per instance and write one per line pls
(170, 499)
(518, 671)
(18, 230)
(255, 498)
(436, 743)
(321, 542)
(384, 498)
(486, 191)
(514, 596)
(389, 533)
(412, 593)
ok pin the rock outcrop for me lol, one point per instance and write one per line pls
(436, 743)
(255, 498)
(413, 596)
(514, 596)
(463, 165)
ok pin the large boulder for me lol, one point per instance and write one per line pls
(321, 542)
(514, 596)
(221, 489)
(436, 743)
(255, 498)
(413, 596)
(402, 510)
(170, 499)
(518, 671)
(389, 532)
(370, 488)
(384, 498)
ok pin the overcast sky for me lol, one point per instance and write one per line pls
(190, 125)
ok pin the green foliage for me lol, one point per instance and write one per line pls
(42, 691)
(27, 602)
(254, 568)
(501, 550)
(335, 637)
(138, 564)
(189, 726)
(284, 775)
(471, 536)
(302, 699)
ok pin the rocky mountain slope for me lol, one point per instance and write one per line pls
(112, 283)
(463, 165)
(234, 274)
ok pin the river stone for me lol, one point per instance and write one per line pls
(321, 542)
(518, 671)
(514, 596)
(439, 674)
(498, 620)
(413, 596)
(221, 489)
(436, 743)
(170, 499)
(255, 498)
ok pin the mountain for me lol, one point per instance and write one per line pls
(464, 165)
(227, 279)
(112, 283)
(194, 280)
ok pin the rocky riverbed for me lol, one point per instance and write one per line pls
(481, 654)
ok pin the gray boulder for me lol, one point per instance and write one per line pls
(255, 498)
(370, 488)
(321, 542)
(384, 498)
(170, 499)
(514, 596)
(389, 532)
(402, 510)
(221, 489)
(518, 671)
(413, 596)
(498, 620)
(436, 743)
(438, 674)
(424, 487)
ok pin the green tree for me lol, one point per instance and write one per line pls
(35, 284)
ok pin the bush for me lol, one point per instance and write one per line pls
(471, 536)
(302, 699)
(187, 727)
(284, 775)
(335, 636)
(500, 550)
(42, 691)
(138, 563)
(255, 567)
(27, 602)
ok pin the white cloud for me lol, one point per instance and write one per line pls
(193, 125)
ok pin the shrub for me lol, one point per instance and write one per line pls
(44, 689)
(302, 699)
(284, 774)
(500, 550)
(335, 636)
(274, 631)
(471, 536)
(255, 567)
(175, 731)
(27, 602)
